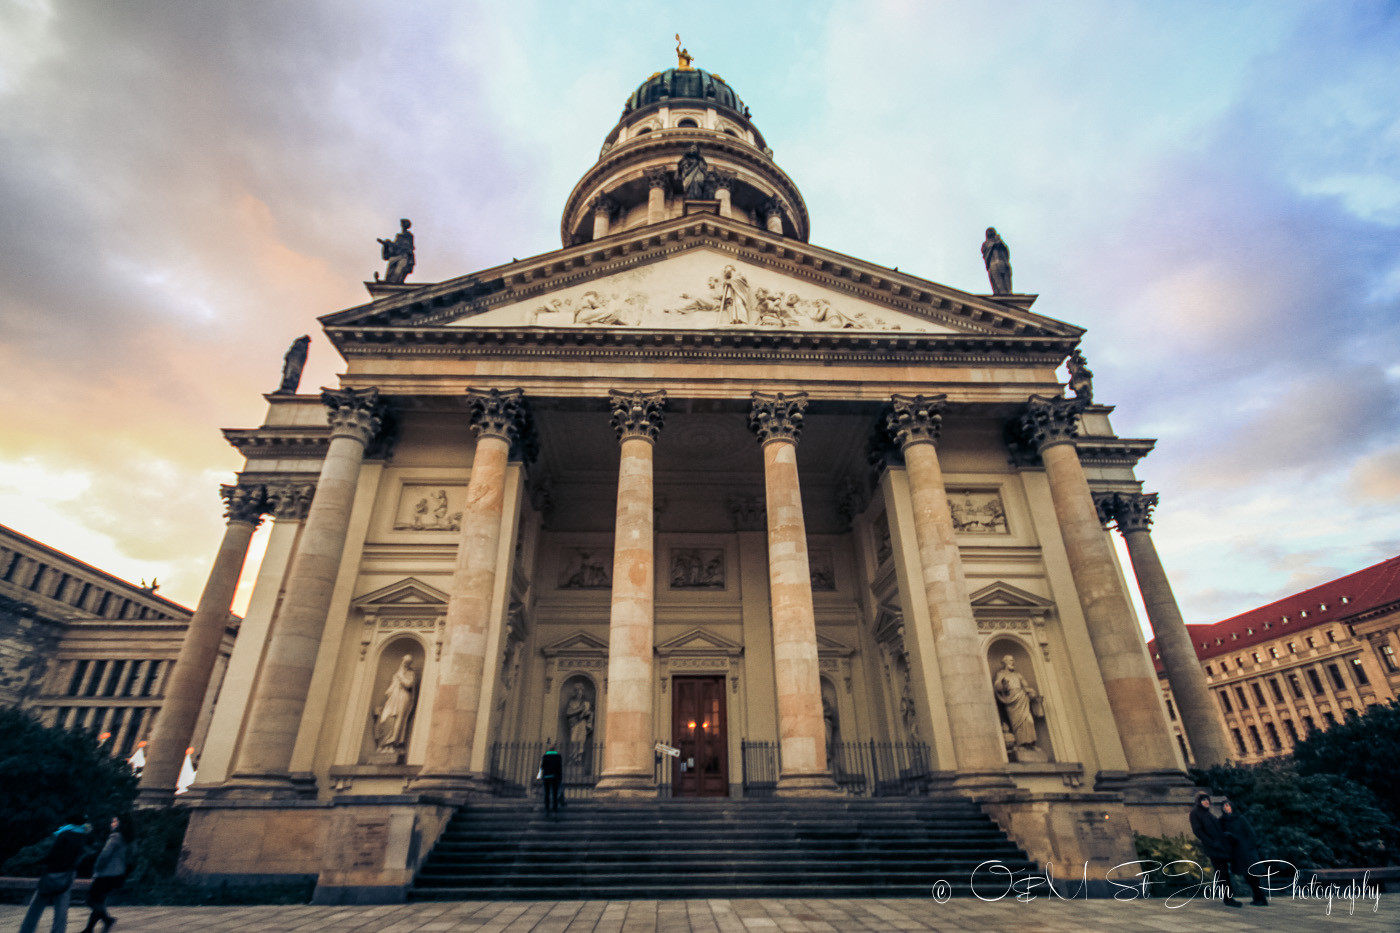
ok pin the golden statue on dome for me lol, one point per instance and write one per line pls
(683, 57)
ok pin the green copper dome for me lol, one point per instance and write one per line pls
(687, 84)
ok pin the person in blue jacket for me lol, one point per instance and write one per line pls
(56, 883)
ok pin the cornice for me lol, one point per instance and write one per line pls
(1113, 451)
(448, 301)
(728, 345)
(284, 442)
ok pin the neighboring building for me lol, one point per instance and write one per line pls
(691, 480)
(86, 650)
(1302, 663)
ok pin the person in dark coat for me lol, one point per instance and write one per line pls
(108, 874)
(552, 777)
(1244, 849)
(1215, 844)
(56, 883)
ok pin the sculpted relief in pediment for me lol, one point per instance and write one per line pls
(701, 292)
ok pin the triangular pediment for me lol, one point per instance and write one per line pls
(1002, 601)
(1004, 595)
(710, 274)
(576, 645)
(828, 647)
(698, 641)
(408, 593)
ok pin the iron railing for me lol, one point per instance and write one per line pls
(513, 766)
(861, 769)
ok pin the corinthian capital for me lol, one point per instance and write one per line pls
(1047, 421)
(498, 414)
(356, 413)
(915, 419)
(604, 204)
(777, 417)
(244, 503)
(290, 501)
(637, 414)
(658, 178)
(773, 205)
(1133, 510)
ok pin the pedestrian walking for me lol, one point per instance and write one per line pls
(1244, 849)
(552, 777)
(1216, 846)
(56, 883)
(108, 874)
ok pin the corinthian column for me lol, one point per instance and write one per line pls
(265, 756)
(1199, 716)
(1050, 425)
(189, 681)
(629, 771)
(914, 424)
(777, 420)
(498, 419)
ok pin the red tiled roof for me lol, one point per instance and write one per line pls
(1338, 600)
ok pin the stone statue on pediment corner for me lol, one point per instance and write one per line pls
(292, 365)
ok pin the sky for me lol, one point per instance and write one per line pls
(1212, 190)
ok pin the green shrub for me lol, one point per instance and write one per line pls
(1183, 862)
(1310, 820)
(49, 776)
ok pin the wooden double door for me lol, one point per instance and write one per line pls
(698, 729)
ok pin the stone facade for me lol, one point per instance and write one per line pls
(84, 649)
(687, 455)
(1302, 663)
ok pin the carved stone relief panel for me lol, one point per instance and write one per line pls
(585, 569)
(978, 511)
(697, 568)
(429, 508)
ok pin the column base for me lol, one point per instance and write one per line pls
(625, 787)
(282, 787)
(454, 787)
(975, 783)
(155, 798)
(1166, 784)
(808, 785)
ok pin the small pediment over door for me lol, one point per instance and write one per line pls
(999, 605)
(699, 643)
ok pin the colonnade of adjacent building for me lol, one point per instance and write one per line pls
(500, 419)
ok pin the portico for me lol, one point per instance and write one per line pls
(686, 481)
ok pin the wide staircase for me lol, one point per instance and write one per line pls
(704, 848)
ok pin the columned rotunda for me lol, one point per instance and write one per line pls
(715, 511)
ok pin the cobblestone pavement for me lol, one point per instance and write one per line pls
(750, 916)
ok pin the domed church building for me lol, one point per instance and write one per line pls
(714, 512)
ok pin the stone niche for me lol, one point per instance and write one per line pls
(389, 726)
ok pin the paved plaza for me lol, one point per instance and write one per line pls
(752, 916)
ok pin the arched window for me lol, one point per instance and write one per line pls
(688, 123)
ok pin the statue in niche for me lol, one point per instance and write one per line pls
(692, 173)
(996, 256)
(392, 720)
(1081, 377)
(1019, 704)
(398, 253)
(292, 365)
(578, 713)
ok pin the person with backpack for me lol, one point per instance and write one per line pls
(56, 883)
